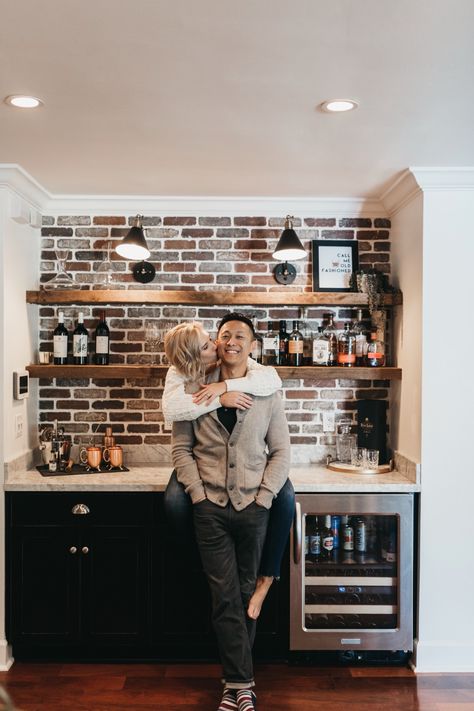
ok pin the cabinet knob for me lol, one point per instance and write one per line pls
(80, 509)
(85, 550)
(73, 550)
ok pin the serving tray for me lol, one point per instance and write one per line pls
(78, 469)
(346, 468)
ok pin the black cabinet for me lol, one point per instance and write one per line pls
(101, 576)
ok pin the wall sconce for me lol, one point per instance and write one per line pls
(288, 247)
(134, 245)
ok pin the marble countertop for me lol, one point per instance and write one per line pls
(306, 478)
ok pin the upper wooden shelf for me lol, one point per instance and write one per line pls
(131, 372)
(204, 298)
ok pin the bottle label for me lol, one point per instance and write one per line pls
(271, 343)
(361, 345)
(320, 352)
(328, 543)
(102, 345)
(295, 346)
(375, 356)
(345, 358)
(60, 346)
(315, 545)
(79, 345)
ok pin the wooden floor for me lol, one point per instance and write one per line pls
(120, 687)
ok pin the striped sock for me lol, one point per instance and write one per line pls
(228, 702)
(246, 700)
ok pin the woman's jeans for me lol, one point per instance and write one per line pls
(179, 511)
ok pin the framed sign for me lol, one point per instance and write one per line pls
(334, 262)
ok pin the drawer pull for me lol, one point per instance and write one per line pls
(85, 550)
(80, 509)
(73, 550)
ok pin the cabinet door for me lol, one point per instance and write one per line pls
(115, 598)
(45, 581)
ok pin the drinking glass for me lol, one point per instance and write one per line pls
(372, 458)
(105, 271)
(61, 280)
(153, 339)
(359, 457)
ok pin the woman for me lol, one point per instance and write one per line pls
(192, 354)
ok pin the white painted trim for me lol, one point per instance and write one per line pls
(403, 190)
(443, 656)
(414, 181)
(15, 178)
(6, 659)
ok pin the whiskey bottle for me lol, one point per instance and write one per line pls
(331, 332)
(346, 348)
(283, 349)
(320, 348)
(295, 346)
(361, 339)
(257, 344)
(270, 345)
(375, 351)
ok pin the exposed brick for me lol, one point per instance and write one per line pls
(108, 405)
(355, 222)
(200, 256)
(142, 404)
(109, 220)
(55, 415)
(382, 222)
(90, 393)
(214, 221)
(46, 404)
(246, 221)
(179, 221)
(126, 416)
(295, 439)
(129, 439)
(125, 393)
(373, 394)
(337, 234)
(320, 221)
(382, 247)
(215, 244)
(310, 383)
(179, 267)
(301, 394)
(54, 392)
(233, 233)
(74, 220)
(248, 267)
(214, 267)
(90, 417)
(180, 244)
(233, 256)
(56, 231)
(158, 439)
(196, 233)
(265, 234)
(94, 232)
(143, 428)
(366, 246)
(232, 279)
(47, 221)
(373, 234)
(197, 278)
(333, 394)
(251, 244)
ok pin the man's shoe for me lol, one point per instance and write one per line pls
(229, 701)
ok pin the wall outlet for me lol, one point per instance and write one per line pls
(18, 425)
(328, 421)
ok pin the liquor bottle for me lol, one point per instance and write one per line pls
(60, 338)
(346, 348)
(361, 339)
(102, 341)
(327, 538)
(331, 333)
(307, 338)
(315, 539)
(320, 348)
(295, 346)
(257, 348)
(80, 339)
(375, 351)
(271, 345)
(283, 350)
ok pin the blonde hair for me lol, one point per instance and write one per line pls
(183, 350)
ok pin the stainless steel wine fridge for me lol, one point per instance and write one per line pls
(351, 575)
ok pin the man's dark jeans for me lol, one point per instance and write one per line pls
(230, 543)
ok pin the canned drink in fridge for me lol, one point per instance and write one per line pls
(336, 527)
(360, 536)
(348, 538)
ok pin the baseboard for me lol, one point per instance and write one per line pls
(443, 656)
(6, 659)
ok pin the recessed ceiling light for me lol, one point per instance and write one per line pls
(20, 101)
(335, 105)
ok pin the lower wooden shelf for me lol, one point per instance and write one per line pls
(130, 372)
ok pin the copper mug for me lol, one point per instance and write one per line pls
(92, 456)
(114, 456)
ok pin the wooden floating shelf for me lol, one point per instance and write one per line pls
(204, 298)
(131, 372)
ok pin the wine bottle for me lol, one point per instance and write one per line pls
(80, 339)
(60, 338)
(283, 350)
(295, 346)
(102, 341)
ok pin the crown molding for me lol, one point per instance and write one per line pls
(16, 179)
(415, 181)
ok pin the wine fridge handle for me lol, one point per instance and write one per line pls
(297, 537)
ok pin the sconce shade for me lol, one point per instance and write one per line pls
(289, 246)
(134, 245)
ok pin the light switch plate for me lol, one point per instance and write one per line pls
(328, 421)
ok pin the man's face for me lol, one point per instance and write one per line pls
(234, 343)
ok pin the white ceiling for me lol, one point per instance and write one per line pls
(219, 97)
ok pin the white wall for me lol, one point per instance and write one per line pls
(20, 253)
(407, 270)
(446, 615)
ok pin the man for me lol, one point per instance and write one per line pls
(233, 463)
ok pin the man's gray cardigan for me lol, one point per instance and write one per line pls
(251, 464)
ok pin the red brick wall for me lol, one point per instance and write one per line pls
(196, 253)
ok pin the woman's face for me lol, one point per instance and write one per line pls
(208, 348)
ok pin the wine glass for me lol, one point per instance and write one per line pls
(105, 270)
(61, 280)
(153, 339)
